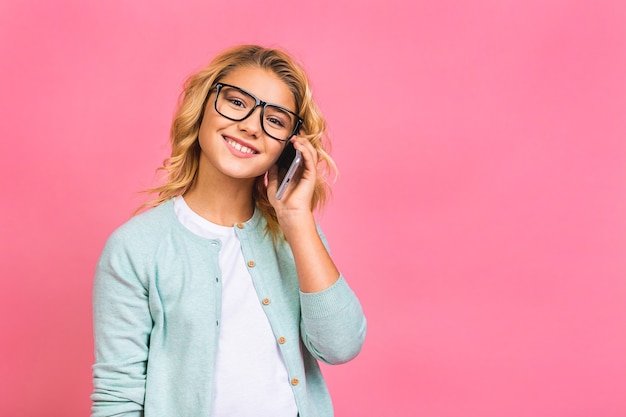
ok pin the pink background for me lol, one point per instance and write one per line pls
(480, 213)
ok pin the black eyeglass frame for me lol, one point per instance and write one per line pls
(258, 102)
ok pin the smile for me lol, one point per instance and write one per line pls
(238, 146)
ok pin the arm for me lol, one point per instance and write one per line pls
(316, 270)
(122, 325)
(333, 325)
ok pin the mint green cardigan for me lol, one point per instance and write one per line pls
(157, 303)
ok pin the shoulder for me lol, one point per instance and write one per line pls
(144, 231)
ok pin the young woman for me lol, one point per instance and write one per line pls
(220, 299)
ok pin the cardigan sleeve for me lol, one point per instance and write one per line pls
(333, 326)
(122, 325)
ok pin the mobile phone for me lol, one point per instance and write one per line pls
(289, 160)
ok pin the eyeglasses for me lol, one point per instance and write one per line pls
(237, 104)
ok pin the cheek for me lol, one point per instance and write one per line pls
(276, 150)
(207, 127)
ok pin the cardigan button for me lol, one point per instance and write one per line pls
(251, 264)
(266, 301)
(282, 340)
(295, 382)
(240, 225)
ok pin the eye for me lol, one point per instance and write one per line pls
(236, 99)
(275, 121)
(278, 118)
(236, 102)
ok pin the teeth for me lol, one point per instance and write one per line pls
(239, 147)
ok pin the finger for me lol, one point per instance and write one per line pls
(309, 152)
(272, 179)
(304, 143)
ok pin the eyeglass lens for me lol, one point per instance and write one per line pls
(236, 104)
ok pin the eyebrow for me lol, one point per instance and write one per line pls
(282, 108)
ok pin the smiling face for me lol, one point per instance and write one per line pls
(241, 149)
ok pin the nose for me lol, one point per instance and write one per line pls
(252, 124)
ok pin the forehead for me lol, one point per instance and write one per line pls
(264, 84)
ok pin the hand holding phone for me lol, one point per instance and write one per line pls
(289, 160)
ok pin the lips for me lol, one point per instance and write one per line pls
(240, 147)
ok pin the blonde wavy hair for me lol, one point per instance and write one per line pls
(181, 167)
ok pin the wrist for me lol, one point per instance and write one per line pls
(294, 221)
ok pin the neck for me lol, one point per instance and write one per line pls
(223, 201)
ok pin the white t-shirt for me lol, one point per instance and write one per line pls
(250, 374)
